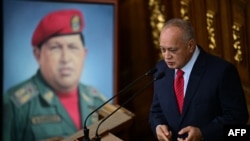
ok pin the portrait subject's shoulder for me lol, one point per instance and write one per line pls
(21, 93)
(91, 92)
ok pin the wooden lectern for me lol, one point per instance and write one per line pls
(118, 123)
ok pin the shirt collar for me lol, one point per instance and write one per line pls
(188, 67)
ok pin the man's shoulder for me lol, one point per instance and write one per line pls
(216, 60)
(22, 92)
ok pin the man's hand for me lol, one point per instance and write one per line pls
(163, 133)
(194, 134)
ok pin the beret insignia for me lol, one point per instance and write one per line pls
(75, 23)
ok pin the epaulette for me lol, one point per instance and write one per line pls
(95, 93)
(88, 93)
(24, 94)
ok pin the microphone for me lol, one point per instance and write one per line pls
(159, 76)
(86, 130)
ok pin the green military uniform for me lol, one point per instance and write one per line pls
(32, 112)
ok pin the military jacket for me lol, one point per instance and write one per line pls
(32, 112)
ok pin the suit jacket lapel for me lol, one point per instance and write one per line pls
(194, 81)
(169, 92)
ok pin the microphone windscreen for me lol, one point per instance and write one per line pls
(159, 76)
(151, 72)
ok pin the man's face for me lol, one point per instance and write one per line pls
(175, 51)
(61, 61)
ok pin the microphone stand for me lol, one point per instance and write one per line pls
(159, 76)
(86, 130)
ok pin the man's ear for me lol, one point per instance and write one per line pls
(192, 45)
(36, 53)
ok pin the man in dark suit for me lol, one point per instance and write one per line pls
(211, 94)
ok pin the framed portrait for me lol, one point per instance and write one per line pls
(20, 18)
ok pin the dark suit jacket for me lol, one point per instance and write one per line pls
(214, 98)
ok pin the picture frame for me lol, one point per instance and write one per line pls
(20, 17)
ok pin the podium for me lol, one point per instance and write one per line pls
(118, 123)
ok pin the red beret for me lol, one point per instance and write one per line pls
(58, 23)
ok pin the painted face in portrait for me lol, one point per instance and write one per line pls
(61, 61)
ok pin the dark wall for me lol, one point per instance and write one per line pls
(136, 55)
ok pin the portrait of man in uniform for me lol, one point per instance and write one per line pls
(20, 18)
(58, 67)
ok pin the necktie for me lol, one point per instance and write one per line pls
(179, 89)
